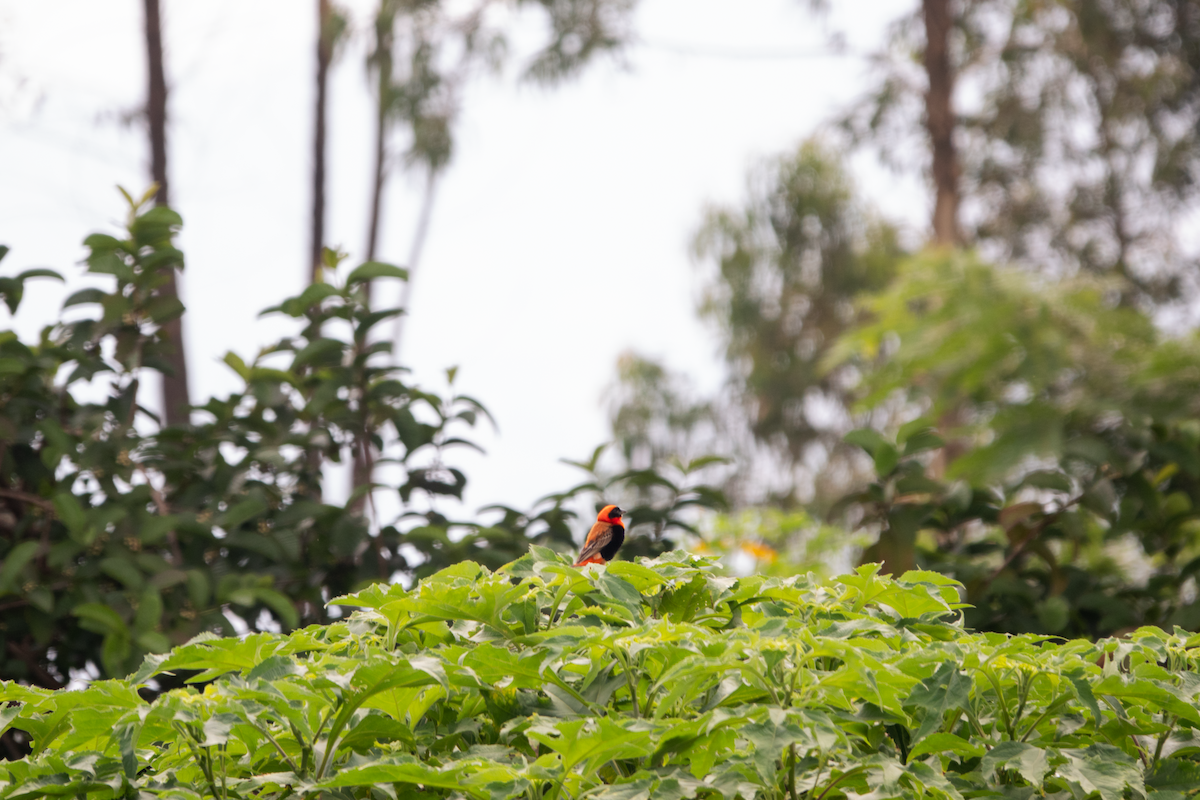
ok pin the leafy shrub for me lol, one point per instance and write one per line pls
(120, 536)
(1055, 467)
(124, 537)
(653, 679)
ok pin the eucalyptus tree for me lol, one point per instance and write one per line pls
(1075, 125)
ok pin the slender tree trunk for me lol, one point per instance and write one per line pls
(364, 458)
(379, 177)
(364, 462)
(324, 57)
(896, 546)
(320, 116)
(175, 399)
(939, 119)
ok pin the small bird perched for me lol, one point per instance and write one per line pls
(604, 539)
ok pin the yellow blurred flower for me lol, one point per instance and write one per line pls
(760, 550)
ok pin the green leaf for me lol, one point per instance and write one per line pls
(947, 690)
(124, 571)
(318, 349)
(13, 563)
(7, 713)
(939, 743)
(149, 611)
(241, 513)
(921, 441)
(73, 516)
(886, 458)
(85, 296)
(866, 438)
(40, 272)
(164, 308)
(236, 363)
(371, 270)
(1101, 768)
(1031, 762)
(641, 578)
(273, 668)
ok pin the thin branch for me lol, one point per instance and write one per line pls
(43, 675)
(25, 497)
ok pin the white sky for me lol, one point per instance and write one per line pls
(560, 235)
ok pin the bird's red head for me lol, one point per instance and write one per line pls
(610, 514)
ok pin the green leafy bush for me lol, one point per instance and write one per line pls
(653, 679)
(120, 536)
(1055, 466)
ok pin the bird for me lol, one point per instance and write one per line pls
(604, 539)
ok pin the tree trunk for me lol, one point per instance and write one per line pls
(939, 119)
(896, 547)
(364, 460)
(175, 399)
(320, 115)
(379, 177)
(324, 57)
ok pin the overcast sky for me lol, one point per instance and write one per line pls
(563, 207)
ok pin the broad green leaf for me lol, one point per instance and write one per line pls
(1101, 768)
(14, 562)
(939, 743)
(1031, 762)
(947, 690)
(375, 269)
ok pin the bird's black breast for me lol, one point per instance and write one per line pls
(614, 544)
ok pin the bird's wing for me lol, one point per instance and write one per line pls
(600, 535)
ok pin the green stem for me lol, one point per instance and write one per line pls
(795, 675)
(286, 757)
(820, 768)
(630, 681)
(1055, 702)
(841, 778)
(1162, 740)
(792, 772)
(566, 687)
(975, 722)
(1026, 688)
(200, 759)
(1116, 706)
(1000, 702)
(558, 598)
(766, 684)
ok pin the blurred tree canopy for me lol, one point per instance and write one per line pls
(1073, 508)
(1078, 147)
(788, 266)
